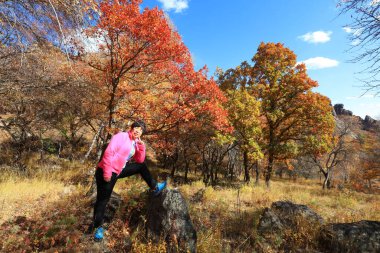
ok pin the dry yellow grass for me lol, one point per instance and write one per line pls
(333, 205)
(233, 214)
(224, 217)
(25, 197)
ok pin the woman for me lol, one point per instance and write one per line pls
(116, 163)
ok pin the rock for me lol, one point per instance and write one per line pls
(269, 222)
(368, 122)
(288, 211)
(362, 236)
(339, 110)
(284, 214)
(287, 226)
(112, 206)
(168, 217)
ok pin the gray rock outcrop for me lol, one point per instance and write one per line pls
(362, 236)
(368, 123)
(284, 214)
(168, 218)
(339, 110)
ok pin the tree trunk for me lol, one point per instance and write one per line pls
(111, 107)
(187, 165)
(269, 169)
(270, 152)
(257, 172)
(93, 143)
(326, 181)
(246, 167)
(172, 172)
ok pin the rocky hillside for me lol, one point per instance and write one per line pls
(368, 123)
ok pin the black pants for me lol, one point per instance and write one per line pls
(104, 189)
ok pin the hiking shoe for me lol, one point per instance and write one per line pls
(159, 188)
(99, 234)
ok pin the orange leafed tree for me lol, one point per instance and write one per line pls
(132, 43)
(294, 119)
(367, 176)
(144, 70)
(293, 113)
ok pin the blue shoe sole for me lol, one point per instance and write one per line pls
(160, 191)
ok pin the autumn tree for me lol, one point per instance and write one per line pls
(367, 175)
(336, 152)
(243, 114)
(292, 115)
(143, 70)
(44, 101)
(132, 44)
(183, 116)
(24, 22)
(36, 91)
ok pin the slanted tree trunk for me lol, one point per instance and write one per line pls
(326, 182)
(93, 143)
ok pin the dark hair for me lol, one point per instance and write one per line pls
(139, 123)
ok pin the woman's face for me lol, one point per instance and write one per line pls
(136, 132)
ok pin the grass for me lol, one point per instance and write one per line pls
(22, 197)
(224, 217)
(238, 210)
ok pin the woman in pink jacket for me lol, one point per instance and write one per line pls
(116, 163)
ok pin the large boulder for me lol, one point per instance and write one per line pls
(287, 215)
(168, 218)
(368, 123)
(339, 110)
(288, 227)
(362, 236)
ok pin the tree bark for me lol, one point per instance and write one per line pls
(257, 173)
(269, 169)
(326, 181)
(93, 143)
(246, 167)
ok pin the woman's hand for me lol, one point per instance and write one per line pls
(107, 179)
(139, 141)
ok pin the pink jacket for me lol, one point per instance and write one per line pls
(117, 152)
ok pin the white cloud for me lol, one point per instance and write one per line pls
(348, 29)
(355, 32)
(320, 63)
(177, 5)
(316, 37)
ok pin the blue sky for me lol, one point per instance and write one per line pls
(225, 33)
